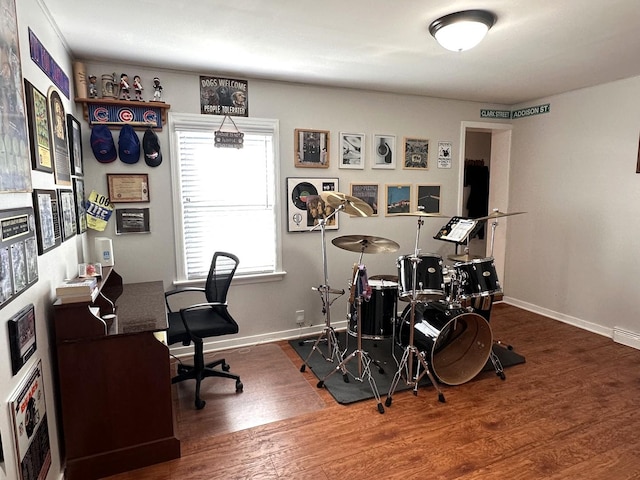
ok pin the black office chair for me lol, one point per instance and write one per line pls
(203, 320)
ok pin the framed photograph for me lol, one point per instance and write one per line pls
(75, 145)
(29, 421)
(428, 198)
(68, 214)
(311, 148)
(15, 165)
(398, 199)
(416, 154)
(384, 151)
(81, 209)
(367, 192)
(128, 188)
(38, 122)
(444, 154)
(22, 337)
(47, 217)
(58, 131)
(18, 253)
(132, 220)
(305, 206)
(352, 150)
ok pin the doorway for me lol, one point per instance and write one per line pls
(492, 140)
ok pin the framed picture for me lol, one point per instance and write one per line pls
(311, 148)
(22, 337)
(68, 214)
(81, 209)
(384, 151)
(38, 121)
(398, 199)
(75, 145)
(416, 154)
(352, 150)
(58, 131)
(132, 220)
(47, 216)
(128, 188)
(29, 421)
(18, 253)
(305, 206)
(428, 197)
(444, 154)
(367, 192)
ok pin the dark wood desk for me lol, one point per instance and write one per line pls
(114, 381)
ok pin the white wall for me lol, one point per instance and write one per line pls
(573, 256)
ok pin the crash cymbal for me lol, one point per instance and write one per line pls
(352, 205)
(365, 244)
(465, 257)
(498, 214)
(418, 214)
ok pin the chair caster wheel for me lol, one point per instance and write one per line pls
(441, 398)
(239, 386)
(387, 402)
(226, 367)
(380, 408)
(200, 404)
(303, 367)
(320, 384)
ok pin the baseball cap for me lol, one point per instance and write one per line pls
(128, 145)
(102, 144)
(151, 147)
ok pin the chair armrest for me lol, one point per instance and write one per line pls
(180, 290)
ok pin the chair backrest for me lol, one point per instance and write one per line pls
(223, 267)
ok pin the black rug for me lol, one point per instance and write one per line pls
(380, 351)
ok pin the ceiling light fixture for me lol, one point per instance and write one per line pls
(462, 30)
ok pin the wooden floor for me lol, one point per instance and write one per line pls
(572, 411)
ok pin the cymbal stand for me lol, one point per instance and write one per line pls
(328, 333)
(364, 360)
(410, 351)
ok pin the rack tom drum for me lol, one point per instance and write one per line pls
(429, 277)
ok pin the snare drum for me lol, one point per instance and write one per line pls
(378, 313)
(429, 277)
(478, 278)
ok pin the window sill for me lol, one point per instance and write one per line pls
(237, 280)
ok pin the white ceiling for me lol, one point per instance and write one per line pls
(536, 48)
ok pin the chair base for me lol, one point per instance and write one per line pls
(190, 372)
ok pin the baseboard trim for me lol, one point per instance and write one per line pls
(625, 337)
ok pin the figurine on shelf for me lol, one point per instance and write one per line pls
(124, 87)
(137, 87)
(93, 91)
(157, 90)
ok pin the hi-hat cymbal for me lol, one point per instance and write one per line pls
(352, 205)
(365, 244)
(418, 214)
(464, 257)
(498, 214)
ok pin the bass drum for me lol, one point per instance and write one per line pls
(456, 343)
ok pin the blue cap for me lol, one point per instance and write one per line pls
(102, 144)
(128, 145)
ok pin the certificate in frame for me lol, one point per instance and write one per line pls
(128, 188)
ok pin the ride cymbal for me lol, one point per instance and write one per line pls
(365, 244)
(498, 214)
(352, 205)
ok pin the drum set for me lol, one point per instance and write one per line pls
(443, 332)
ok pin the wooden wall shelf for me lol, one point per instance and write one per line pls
(112, 112)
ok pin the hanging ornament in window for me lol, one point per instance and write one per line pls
(226, 139)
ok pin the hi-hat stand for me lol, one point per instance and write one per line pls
(410, 352)
(328, 333)
(364, 360)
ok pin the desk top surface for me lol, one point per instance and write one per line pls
(141, 308)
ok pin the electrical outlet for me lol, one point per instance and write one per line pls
(300, 317)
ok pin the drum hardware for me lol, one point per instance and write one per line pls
(339, 202)
(362, 290)
(411, 353)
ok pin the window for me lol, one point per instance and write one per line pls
(225, 198)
